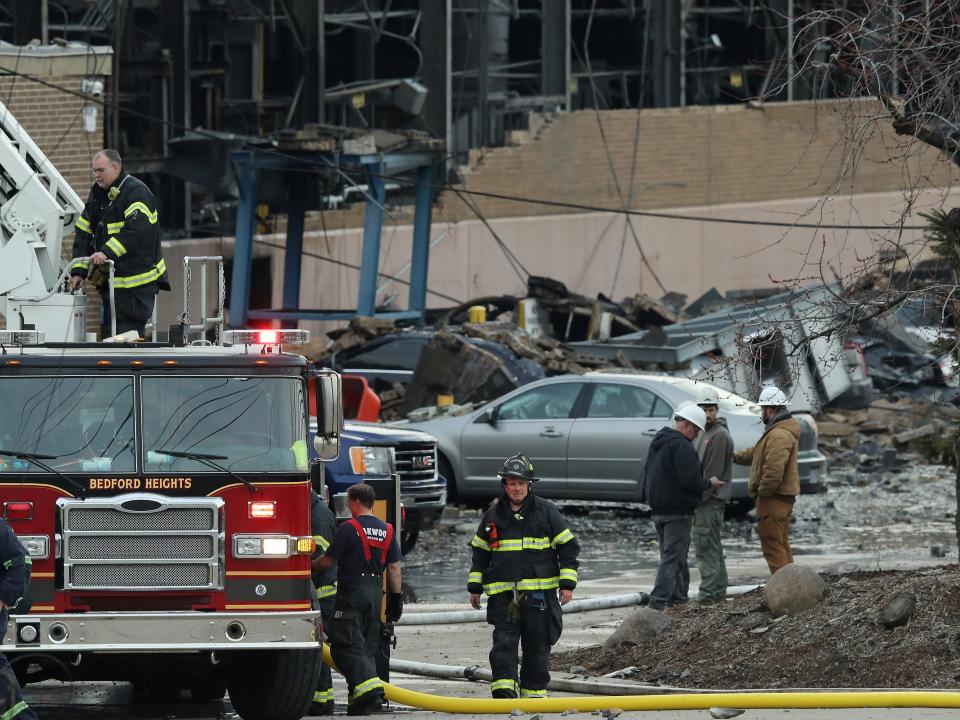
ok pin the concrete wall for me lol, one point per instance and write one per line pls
(688, 257)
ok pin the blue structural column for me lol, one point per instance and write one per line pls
(372, 227)
(293, 256)
(247, 180)
(420, 256)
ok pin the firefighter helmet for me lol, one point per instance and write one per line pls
(518, 466)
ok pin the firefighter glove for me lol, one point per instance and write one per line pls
(394, 607)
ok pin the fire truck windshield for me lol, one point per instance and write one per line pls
(81, 424)
(255, 424)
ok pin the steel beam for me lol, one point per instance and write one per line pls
(372, 229)
(420, 255)
(247, 182)
(293, 255)
(555, 49)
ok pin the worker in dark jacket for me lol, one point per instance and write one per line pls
(323, 525)
(525, 560)
(119, 223)
(14, 579)
(674, 484)
(363, 548)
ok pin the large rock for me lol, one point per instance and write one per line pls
(641, 625)
(792, 589)
(898, 610)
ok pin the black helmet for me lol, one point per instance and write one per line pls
(518, 466)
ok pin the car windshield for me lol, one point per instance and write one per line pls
(80, 424)
(241, 423)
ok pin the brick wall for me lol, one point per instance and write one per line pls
(52, 114)
(700, 156)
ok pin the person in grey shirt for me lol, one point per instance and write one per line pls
(715, 448)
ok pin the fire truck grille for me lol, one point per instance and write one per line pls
(179, 575)
(100, 519)
(141, 547)
(143, 542)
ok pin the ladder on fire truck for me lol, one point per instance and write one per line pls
(37, 209)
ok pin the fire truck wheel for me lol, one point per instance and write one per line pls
(205, 688)
(274, 685)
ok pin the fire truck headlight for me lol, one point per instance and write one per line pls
(367, 460)
(37, 546)
(276, 546)
(250, 546)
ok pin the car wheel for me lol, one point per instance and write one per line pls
(445, 469)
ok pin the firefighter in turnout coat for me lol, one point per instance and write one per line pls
(14, 579)
(323, 525)
(119, 223)
(525, 560)
(363, 548)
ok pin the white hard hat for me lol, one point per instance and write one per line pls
(707, 395)
(772, 396)
(692, 413)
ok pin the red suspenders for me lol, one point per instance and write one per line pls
(366, 542)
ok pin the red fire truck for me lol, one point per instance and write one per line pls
(162, 489)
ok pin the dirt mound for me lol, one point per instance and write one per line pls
(839, 643)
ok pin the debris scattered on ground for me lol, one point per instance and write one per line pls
(841, 642)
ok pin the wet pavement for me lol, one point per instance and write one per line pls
(879, 520)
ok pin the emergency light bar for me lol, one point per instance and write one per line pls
(22, 337)
(265, 337)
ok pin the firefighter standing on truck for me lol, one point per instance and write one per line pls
(323, 525)
(14, 579)
(525, 560)
(363, 548)
(119, 223)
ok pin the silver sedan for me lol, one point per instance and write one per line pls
(588, 436)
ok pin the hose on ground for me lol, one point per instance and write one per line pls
(692, 701)
(599, 603)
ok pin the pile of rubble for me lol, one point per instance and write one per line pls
(888, 433)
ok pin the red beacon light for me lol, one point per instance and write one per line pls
(265, 337)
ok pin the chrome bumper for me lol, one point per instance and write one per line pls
(161, 632)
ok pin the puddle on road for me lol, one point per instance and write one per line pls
(887, 515)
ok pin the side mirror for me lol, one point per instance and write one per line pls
(489, 416)
(326, 442)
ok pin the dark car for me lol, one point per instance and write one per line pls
(392, 358)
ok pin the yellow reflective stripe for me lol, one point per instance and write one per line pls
(475, 577)
(300, 454)
(563, 537)
(538, 583)
(83, 264)
(325, 591)
(321, 542)
(150, 276)
(134, 207)
(83, 224)
(497, 587)
(116, 247)
(568, 574)
(479, 542)
(320, 696)
(114, 228)
(366, 686)
(504, 684)
(15, 710)
(527, 543)
(28, 560)
(525, 693)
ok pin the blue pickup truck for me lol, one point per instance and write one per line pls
(369, 450)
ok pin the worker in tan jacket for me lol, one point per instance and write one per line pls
(774, 479)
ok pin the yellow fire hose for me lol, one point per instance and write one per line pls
(692, 701)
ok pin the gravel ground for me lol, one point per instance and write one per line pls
(838, 643)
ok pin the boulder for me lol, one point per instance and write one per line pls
(898, 610)
(793, 589)
(639, 626)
